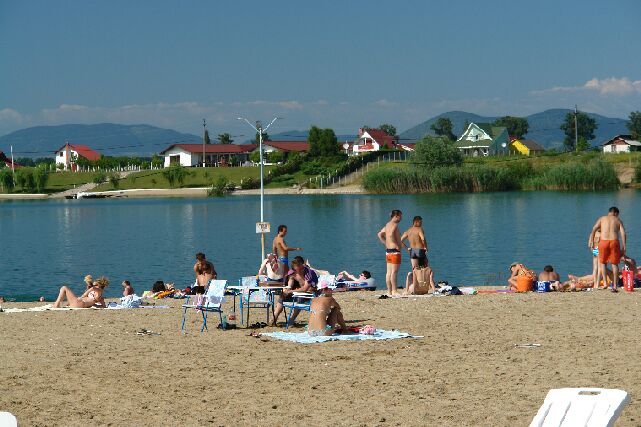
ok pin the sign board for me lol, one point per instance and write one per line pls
(262, 227)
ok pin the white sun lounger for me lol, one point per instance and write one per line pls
(8, 420)
(576, 407)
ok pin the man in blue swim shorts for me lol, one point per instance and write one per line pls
(417, 245)
(280, 248)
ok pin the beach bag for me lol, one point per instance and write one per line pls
(421, 280)
(543, 286)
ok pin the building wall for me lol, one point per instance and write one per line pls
(517, 147)
(61, 156)
(616, 148)
(186, 158)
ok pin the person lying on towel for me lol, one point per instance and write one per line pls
(325, 316)
(92, 297)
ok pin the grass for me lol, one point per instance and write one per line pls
(490, 176)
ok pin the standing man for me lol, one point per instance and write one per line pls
(280, 248)
(418, 246)
(391, 238)
(610, 250)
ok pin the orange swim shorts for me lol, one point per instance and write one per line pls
(393, 257)
(609, 251)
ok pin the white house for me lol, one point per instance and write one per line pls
(372, 140)
(621, 144)
(67, 154)
(215, 154)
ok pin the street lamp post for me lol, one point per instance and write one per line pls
(259, 128)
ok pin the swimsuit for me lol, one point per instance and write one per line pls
(418, 253)
(609, 251)
(284, 260)
(393, 256)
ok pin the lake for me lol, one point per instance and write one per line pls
(472, 237)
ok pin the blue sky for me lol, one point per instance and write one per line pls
(338, 64)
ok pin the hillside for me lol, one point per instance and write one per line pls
(107, 138)
(544, 126)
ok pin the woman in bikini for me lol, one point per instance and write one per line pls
(325, 316)
(92, 297)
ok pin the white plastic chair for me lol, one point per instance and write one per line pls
(577, 407)
(7, 419)
(211, 302)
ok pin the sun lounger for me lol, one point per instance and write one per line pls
(576, 407)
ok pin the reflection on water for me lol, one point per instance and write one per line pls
(472, 237)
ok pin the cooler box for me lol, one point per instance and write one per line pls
(542, 286)
(523, 284)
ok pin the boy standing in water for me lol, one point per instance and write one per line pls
(610, 250)
(391, 238)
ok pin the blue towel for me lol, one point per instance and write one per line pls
(305, 338)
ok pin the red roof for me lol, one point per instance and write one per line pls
(7, 161)
(381, 137)
(287, 146)
(214, 148)
(83, 151)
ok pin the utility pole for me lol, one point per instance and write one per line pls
(204, 135)
(576, 129)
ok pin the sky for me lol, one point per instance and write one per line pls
(335, 64)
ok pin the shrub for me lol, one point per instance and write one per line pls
(435, 151)
(249, 183)
(637, 172)
(219, 187)
(6, 180)
(25, 179)
(41, 176)
(175, 174)
(114, 180)
(99, 178)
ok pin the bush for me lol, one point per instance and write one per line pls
(313, 167)
(99, 178)
(175, 174)
(637, 172)
(249, 183)
(435, 151)
(41, 176)
(25, 179)
(114, 180)
(6, 180)
(219, 187)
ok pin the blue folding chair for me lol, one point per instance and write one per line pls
(211, 302)
(302, 301)
(250, 297)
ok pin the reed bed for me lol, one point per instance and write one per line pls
(590, 175)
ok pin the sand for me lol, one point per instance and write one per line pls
(88, 367)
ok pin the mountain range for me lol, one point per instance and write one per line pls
(144, 140)
(544, 127)
(107, 138)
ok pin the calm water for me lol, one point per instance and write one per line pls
(472, 237)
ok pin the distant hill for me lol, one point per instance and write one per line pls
(107, 138)
(544, 126)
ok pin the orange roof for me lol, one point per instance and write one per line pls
(214, 148)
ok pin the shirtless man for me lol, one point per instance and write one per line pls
(280, 248)
(610, 250)
(549, 275)
(418, 246)
(205, 271)
(391, 238)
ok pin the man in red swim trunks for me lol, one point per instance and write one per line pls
(609, 249)
(391, 238)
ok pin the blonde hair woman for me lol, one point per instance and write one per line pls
(92, 297)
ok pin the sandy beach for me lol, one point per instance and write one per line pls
(89, 367)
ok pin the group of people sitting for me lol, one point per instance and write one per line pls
(93, 296)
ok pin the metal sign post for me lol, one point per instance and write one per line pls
(262, 228)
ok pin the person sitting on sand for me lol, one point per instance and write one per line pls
(420, 280)
(92, 297)
(518, 270)
(364, 277)
(127, 288)
(325, 316)
(270, 267)
(549, 275)
(299, 279)
(205, 272)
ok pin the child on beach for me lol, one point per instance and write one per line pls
(127, 288)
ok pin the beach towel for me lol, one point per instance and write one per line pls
(46, 307)
(306, 338)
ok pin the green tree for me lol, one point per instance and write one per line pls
(434, 151)
(586, 128)
(175, 174)
(25, 180)
(443, 127)
(275, 156)
(206, 137)
(388, 129)
(114, 180)
(156, 161)
(99, 178)
(40, 176)
(224, 138)
(516, 126)
(254, 156)
(634, 125)
(6, 180)
(322, 142)
(265, 137)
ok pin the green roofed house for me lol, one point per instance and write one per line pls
(483, 139)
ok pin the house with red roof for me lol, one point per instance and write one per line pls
(214, 154)
(372, 140)
(68, 153)
(286, 146)
(621, 144)
(7, 161)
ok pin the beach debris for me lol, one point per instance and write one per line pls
(147, 332)
(527, 345)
